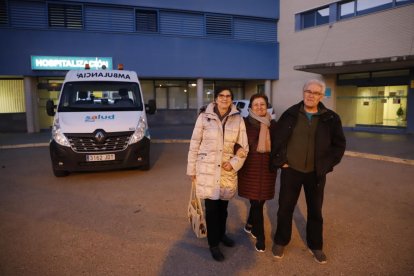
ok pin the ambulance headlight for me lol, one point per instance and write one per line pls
(57, 134)
(140, 131)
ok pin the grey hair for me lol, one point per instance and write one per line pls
(321, 83)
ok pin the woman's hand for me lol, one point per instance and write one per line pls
(285, 166)
(227, 166)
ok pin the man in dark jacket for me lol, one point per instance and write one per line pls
(308, 142)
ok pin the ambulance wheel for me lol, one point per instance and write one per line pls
(60, 173)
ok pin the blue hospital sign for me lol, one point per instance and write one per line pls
(69, 63)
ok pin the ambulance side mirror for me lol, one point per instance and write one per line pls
(151, 107)
(50, 108)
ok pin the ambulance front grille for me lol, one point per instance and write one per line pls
(86, 142)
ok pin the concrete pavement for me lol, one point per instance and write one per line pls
(76, 225)
(134, 222)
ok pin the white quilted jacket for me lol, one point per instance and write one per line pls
(209, 148)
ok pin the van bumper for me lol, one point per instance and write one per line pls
(65, 159)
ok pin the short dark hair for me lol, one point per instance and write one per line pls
(218, 90)
(259, 95)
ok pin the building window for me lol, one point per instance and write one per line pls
(343, 10)
(109, 18)
(374, 106)
(260, 89)
(146, 21)
(354, 76)
(359, 7)
(65, 16)
(12, 96)
(4, 19)
(392, 73)
(95, 17)
(172, 94)
(402, 2)
(347, 9)
(192, 94)
(181, 23)
(237, 87)
(367, 6)
(315, 18)
(255, 29)
(219, 25)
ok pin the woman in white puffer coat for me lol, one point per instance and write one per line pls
(213, 164)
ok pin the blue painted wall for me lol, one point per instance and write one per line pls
(152, 55)
(259, 8)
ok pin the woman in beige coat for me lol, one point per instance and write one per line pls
(213, 164)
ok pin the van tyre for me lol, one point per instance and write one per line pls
(60, 173)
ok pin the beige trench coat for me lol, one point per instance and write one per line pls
(211, 145)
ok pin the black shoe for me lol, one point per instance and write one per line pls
(248, 228)
(216, 254)
(227, 241)
(260, 246)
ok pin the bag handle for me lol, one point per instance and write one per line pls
(193, 195)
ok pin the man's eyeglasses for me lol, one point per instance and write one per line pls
(224, 96)
(313, 93)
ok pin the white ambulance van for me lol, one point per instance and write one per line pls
(99, 123)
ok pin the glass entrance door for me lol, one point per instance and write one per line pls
(373, 106)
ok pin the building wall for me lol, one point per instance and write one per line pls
(150, 55)
(382, 34)
(264, 8)
(245, 50)
(183, 47)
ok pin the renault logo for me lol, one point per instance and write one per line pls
(100, 136)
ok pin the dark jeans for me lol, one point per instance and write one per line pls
(256, 218)
(216, 217)
(291, 182)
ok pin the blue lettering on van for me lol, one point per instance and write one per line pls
(103, 75)
(94, 118)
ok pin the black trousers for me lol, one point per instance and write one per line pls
(216, 218)
(291, 182)
(255, 218)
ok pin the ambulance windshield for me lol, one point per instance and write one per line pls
(100, 96)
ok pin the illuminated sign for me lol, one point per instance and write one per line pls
(103, 75)
(69, 63)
